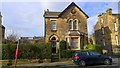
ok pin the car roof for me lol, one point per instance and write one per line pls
(85, 51)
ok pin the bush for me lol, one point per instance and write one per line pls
(96, 48)
(27, 51)
(63, 45)
(8, 51)
(64, 53)
(68, 53)
(114, 55)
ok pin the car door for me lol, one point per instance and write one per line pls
(87, 57)
(92, 58)
(95, 57)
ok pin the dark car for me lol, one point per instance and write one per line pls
(89, 57)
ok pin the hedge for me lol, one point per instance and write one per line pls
(64, 53)
(63, 45)
(27, 51)
(68, 53)
(96, 48)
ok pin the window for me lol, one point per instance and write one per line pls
(53, 44)
(104, 42)
(74, 43)
(70, 25)
(115, 25)
(103, 30)
(116, 40)
(94, 54)
(53, 24)
(73, 24)
(84, 54)
(101, 20)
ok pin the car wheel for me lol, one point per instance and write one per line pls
(82, 63)
(107, 62)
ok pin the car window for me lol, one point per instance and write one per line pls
(94, 53)
(84, 53)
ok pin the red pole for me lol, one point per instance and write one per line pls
(16, 54)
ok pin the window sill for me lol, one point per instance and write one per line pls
(53, 30)
(74, 30)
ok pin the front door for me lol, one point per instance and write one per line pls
(54, 47)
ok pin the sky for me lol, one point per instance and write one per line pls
(26, 18)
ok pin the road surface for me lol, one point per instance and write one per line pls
(69, 64)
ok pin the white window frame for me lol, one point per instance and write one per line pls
(104, 42)
(73, 41)
(116, 37)
(103, 31)
(115, 25)
(72, 25)
(101, 20)
(76, 24)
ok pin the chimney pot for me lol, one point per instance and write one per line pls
(47, 10)
(109, 11)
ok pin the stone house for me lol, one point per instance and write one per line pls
(2, 30)
(91, 39)
(107, 31)
(69, 25)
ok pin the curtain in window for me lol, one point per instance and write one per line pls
(74, 43)
(70, 24)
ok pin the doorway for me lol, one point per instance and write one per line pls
(53, 45)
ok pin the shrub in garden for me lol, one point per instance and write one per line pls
(68, 53)
(27, 51)
(64, 53)
(63, 45)
(8, 51)
(96, 48)
(62, 48)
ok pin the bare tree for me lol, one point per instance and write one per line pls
(12, 38)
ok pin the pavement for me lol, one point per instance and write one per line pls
(67, 64)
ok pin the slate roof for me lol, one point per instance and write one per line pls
(58, 14)
(51, 14)
(73, 4)
(117, 15)
(73, 33)
(2, 26)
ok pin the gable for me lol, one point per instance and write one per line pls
(69, 9)
(97, 26)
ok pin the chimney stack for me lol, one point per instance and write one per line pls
(109, 11)
(47, 10)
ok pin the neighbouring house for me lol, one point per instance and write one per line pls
(91, 39)
(69, 25)
(2, 30)
(31, 40)
(107, 31)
